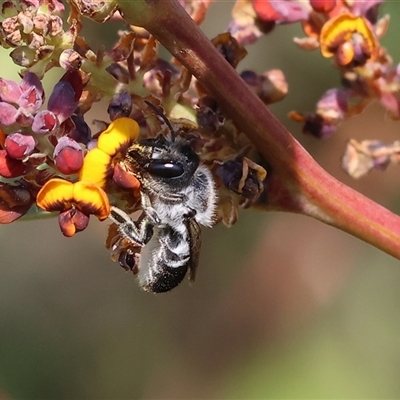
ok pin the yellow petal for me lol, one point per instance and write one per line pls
(91, 199)
(340, 29)
(55, 195)
(96, 167)
(121, 132)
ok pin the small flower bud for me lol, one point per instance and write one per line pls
(26, 23)
(10, 167)
(99, 11)
(44, 122)
(70, 60)
(72, 221)
(41, 22)
(8, 114)
(323, 6)
(120, 105)
(31, 99)
(9, 91)
(68, 156)
(55, 25)
(18, 145)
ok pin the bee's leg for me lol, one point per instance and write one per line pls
(150, 211)
(139, 231)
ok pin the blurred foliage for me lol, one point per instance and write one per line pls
(283, 307)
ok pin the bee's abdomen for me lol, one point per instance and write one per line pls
(166, 279)
(166, 260)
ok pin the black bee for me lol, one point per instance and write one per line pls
(177, 195)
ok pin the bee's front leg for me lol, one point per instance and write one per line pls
(139, 231)
(149, 210)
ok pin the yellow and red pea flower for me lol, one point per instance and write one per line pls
(349, 39)
(76, 201)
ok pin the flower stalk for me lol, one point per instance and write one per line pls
(296, 183)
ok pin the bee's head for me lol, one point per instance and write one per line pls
(167, 160)
(170, 161)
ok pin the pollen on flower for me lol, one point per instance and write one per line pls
(121, 132)
(96, 167)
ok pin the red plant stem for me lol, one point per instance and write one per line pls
(297, 183)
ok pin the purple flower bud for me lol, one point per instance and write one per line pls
(10, 91)
(18, 145)
(31, 80)
(62, 101)
(7, 113)
(81, 133)
(332, 106)
(68, 156)
(31, 99)
(120, 105)
(44, 122)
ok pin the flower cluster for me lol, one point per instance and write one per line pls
(49, 158)
(349, 33)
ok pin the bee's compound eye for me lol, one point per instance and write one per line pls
(165, 169)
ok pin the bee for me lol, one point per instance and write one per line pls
(177, 196)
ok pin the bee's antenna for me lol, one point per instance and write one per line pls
(160, 114)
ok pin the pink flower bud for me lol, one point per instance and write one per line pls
(68, 156)
(32, 93)
(19, 146)
(9, 91)
(44, 122)
(8, 113)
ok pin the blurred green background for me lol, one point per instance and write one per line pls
(283, 307)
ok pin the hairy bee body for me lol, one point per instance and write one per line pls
(177, 196)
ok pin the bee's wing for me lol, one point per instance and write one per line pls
(195, 244)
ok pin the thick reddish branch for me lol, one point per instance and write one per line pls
(297, 183)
